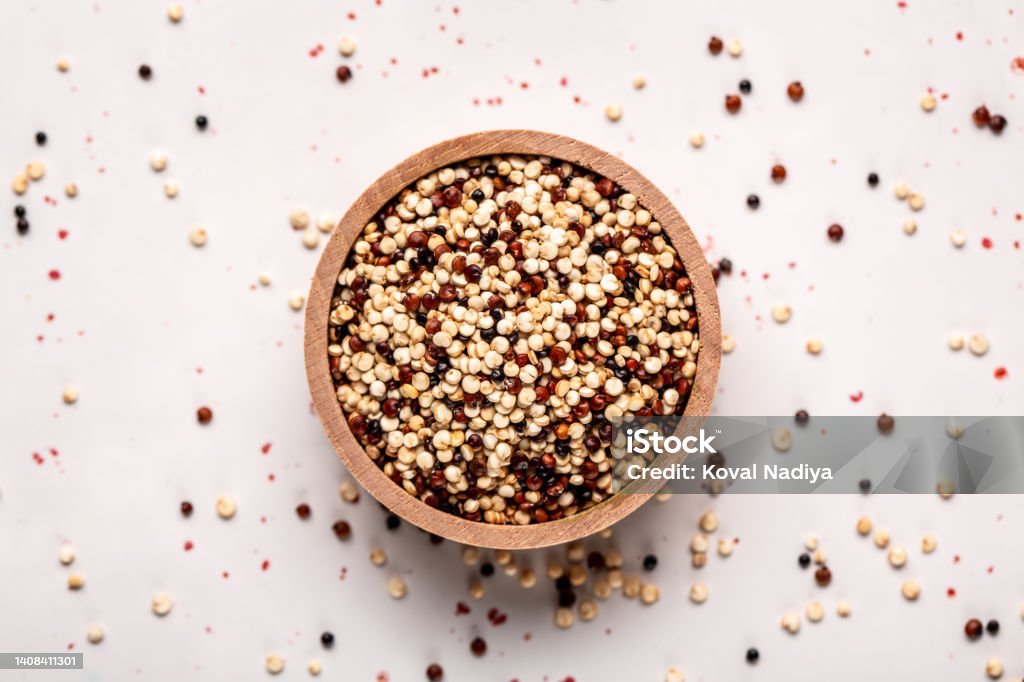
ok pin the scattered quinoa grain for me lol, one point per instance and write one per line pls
(843, 609)
(814, 345)
(715, 45)
(275, 664)
(795, 91)
(696, 139)
(161, 604)
(649, 593)
(885, 424)
(186, 508)
(928, 102)
(782, 312)
(639, 82)
(158, 160)
(198, 237)
(613, 112)
(897, 556)
(35, 170)
(396, 587)
(778, 173)
(734, 48)
(314, 667)
(204, 415)
(728, 343)
(342, 529)
(915, 201)
(977, 344)
(781, 438)
(733, 103)
(378, 557)
(94, 634)
(708, 522)
(863, 525)
(343, 74)
(698, 593)
(909, 227)
(226, 507)
(171, 188)
(929, 543)
(310, 238)
(346, 46)
(815, 611)
(348, 491)
(66, 554)
(958, 238)
(725, 547)
(910, 590)
(71, 190)
(175, 12)
(296, 301)
(992, 627)
(70, 395)
(674, 674)
(997, 124)
(791, 623)
(902, 191)
(63, 64)
(588, 610)
(479, 647)
(564, 617)
(823, 576)
(881, 538)
(298, 219)
(76, 581)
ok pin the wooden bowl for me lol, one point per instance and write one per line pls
(524, 142)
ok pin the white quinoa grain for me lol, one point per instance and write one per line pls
(958, 238)
(815, 611)
(699, 543)
(198, 237)
(977, 344)
(699, 559)
(649, 593)
(698, 593)
(674, 674)
(588, 610)
(158, 160)
(298, 219)
(313, 667)
(66, 555)
(71, 190)
(527, 578)
(397, 587)
(909, 227)
(708, 522)
(175, 12)
(310, 238)
(863, 525)
(63, 64)
(613, 112)
(564, 617)
(782, 312)
(902, 191)
(696, 139)
(728, 343)
(349, 491)
(910, 590)
(791, 623)
(881, 538)
(955, 341)
(20, 183)
(725, 547)
(897, 556)
(70, 395)
(170, 188)
(161, 604)
(782, 439)
(226, 507)
(94, 633)
(630, 586)
(928, 102)
(346, 46)
(296, 301)
(819, 557)
(994, 668)
(814, 345)
(275, 664)
(639, 82)
(76, 581)
(735, 48)
(35, 170)
(810, 543)
(326, 221)
(843, 609)
(929, 543)
(378, 557)
(916, 201)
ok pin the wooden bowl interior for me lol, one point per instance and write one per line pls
(524, 142)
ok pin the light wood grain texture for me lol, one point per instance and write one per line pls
(386, 188)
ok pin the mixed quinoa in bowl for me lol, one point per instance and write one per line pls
(494, 320)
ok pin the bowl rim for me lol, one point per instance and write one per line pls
(389, 185)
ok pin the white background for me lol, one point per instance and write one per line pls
(137, 310)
